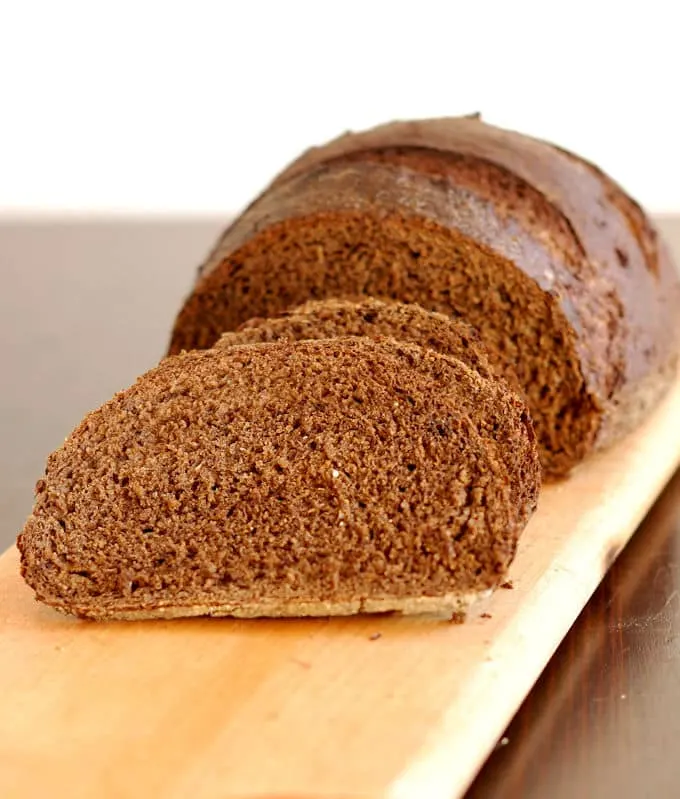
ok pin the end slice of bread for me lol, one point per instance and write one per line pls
(293, 478)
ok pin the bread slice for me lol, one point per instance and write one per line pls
(293, 478)
(560, 271)
(367, 316)
(410, 323)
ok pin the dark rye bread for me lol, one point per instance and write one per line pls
(306, 478)
(410, 323)
(560, 271)
(366, 316)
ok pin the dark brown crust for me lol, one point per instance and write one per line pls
(556, 217)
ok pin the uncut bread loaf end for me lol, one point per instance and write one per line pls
(294, 478)
(559, 270)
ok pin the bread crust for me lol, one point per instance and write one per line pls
(458, 604)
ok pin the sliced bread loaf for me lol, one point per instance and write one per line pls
(559, 270)
(306, 478)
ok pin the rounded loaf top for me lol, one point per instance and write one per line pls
(559, 270)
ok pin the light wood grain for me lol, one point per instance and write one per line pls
(310, 708)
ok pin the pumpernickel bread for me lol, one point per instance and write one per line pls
(410, 323)
(560, 271)
(292, 478)
(366, 316)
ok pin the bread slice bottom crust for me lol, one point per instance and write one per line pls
(454, 603)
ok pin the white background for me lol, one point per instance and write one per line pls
(191, 107)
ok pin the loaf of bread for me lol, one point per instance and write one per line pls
(291, 478)
(559, 270)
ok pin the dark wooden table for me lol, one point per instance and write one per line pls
(87, 305)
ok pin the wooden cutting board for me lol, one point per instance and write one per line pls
(406, 708)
